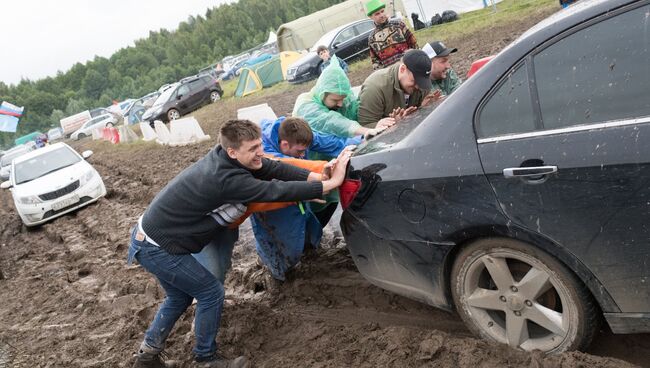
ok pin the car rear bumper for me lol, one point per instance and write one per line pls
(410, 268)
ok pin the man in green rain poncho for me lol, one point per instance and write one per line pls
(331, 107)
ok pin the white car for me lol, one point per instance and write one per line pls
(52, 181)
(54, 134)
(121, 107)
(5, 161)
(101, 121)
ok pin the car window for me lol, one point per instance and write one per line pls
(600, 73)
(92, 121)
(364, 27)
(196, 85)
(344, 36)
(182, 90)
(41, 165)
(509, 109)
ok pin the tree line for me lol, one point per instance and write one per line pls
(162, 57)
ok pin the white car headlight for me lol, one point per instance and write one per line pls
(29, 200)
(88, 176)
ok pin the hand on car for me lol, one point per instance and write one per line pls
(385, 122)
(373, 132)
(432, 97)
(400, 113)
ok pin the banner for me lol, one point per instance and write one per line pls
(9, 116)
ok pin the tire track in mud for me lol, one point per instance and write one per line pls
(437, 320)
(5, 355)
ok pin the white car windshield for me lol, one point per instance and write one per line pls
(44, 164)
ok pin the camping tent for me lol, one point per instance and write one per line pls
(303, 32)
(255, 77)
(287, 58)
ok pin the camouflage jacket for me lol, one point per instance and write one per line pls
(447, 85)
(388, 42)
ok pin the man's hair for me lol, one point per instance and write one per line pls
(295, 131)
(320, 49)
(234, 132)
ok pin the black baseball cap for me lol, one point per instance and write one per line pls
(419, 64)
(437, 49)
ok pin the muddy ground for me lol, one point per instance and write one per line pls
(68, 299)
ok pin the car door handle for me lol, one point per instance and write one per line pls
(528, 171)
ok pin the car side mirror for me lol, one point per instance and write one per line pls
(86, 154)
(6, 185)
(336, 45)
(179, 97)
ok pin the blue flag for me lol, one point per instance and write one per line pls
(9, 116)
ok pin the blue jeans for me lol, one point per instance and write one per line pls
(183, 279)
(217, 255)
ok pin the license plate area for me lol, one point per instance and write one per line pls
(65, 202)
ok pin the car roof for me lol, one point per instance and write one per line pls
(41, 151)
(567, 18)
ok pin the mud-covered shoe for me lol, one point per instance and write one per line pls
(217, 361)
(150, 359)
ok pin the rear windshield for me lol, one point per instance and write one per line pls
(44, 164)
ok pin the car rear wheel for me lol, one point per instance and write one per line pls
(215, 96)
(513, 293)
(173, 114)
(81, 136)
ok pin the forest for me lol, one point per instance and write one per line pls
(162, 57)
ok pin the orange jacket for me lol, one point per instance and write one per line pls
(313, 166)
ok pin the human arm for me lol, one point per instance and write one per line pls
(409, 36)
(371, 105)
(344, 65)
(374, 58)
(321, 119)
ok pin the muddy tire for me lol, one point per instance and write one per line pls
(514, 293)
(173, 114)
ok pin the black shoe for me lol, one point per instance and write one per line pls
(217, 361)
(149, 360)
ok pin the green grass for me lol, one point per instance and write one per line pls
(469, 23)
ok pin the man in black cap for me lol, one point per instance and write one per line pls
(396, 90)
(443, 78)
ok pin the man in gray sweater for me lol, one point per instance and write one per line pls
(192, 211)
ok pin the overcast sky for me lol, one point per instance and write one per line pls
(41, 37)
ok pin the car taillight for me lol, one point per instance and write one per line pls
(348, 190)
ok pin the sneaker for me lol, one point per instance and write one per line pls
(152, 360)
(217, 361)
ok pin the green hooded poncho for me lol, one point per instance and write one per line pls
(309, 106)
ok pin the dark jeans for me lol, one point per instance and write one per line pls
(183, 279)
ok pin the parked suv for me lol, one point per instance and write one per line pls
(183, 98)
(522, 200)
(347, 42)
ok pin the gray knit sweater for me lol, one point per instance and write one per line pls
(177, 218)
